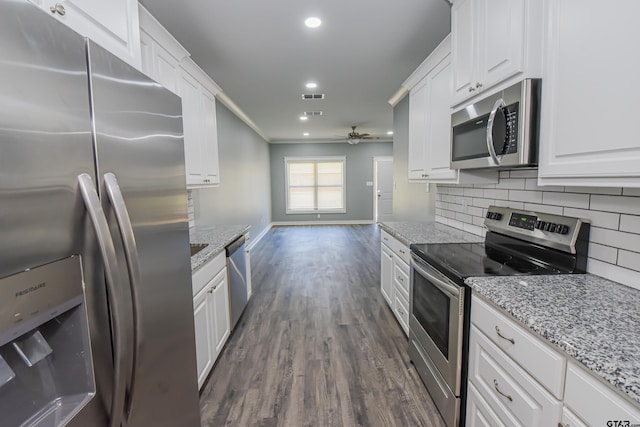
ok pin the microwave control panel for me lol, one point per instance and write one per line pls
(511, 140)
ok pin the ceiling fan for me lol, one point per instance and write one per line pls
(354, 137)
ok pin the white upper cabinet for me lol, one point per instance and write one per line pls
(161, 53)
(167, 62)
(430, 123)
(112, 24)
(200, 127)
(589, 100)
(417, 160)
(494, 41)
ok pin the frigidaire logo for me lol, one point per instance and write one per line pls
(30, 289)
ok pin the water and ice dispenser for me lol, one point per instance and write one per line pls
(46, 372)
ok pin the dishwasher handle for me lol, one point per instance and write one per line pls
(235, 245)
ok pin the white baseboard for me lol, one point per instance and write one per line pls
(338, 222)
(254, 240)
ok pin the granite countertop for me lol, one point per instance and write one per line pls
(592, 319)
(218, 237)
(428, 232)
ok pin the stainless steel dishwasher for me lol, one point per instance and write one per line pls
(237, 271)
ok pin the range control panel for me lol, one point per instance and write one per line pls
(548, 229)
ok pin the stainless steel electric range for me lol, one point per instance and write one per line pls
(516, 243)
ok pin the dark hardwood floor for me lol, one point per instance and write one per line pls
(317, 344)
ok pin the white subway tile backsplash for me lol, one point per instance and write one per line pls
(474, 229)
(510, 204)
(554, 210)
(615, 239)
(614, 249)
(464, 218)
(483, 203)
(629, 259)
(597, 190)
(511, 184)
(473, 192)
(525, 196)
(630, 223)
(496, 194)
(628, 205)
(572, 200)
(598, 219)
(613, 272)
(524, 173)
(603, 253)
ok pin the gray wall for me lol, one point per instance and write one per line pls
(359, 170)
(411, 202)
(244, 194)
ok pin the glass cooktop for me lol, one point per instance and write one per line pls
(463, 260)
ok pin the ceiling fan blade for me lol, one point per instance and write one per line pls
(373, 138)
(362, 135)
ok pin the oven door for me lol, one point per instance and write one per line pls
(436, 319)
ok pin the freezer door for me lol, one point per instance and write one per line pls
(45, 143)
(139, 144)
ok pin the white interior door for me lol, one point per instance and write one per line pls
(383, 188)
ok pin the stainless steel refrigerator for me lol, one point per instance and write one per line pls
(96, 315)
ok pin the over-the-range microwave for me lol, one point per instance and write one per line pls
(498, 131)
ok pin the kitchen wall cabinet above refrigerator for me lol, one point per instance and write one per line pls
(590, 95)
(112, 24)
(494, 41)
(166, 61)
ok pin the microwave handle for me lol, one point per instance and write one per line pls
(492, 152)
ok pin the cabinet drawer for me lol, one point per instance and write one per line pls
(401, 310)
(398, 248)
(595, 402)
(569, 419)
(546, 365)
(401, 277)
(479, 413)
(514, 395)
(204, 274)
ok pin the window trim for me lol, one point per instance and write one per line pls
(320, 159)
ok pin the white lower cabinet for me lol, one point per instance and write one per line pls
(394, 277)
(518, 379)
(479, 413)
(211, 313)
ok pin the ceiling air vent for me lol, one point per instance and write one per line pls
(313, 96)
(312, 113)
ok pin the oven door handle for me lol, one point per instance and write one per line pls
(447, 288)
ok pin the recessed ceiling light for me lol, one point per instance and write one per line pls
(303, 118)
(390, 132)
(312, 22)
(311, 85)
(306, 134)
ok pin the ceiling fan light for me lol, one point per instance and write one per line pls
(353, 141)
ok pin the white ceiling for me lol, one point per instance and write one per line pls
(261, 54)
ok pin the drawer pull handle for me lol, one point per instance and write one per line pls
(511, 340)
(400, 278)
(495, 384)
(563, 425)
(401, 251)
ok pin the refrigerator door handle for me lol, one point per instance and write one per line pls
(108, 252)
(133, 267)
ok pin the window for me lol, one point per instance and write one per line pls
(315, 185)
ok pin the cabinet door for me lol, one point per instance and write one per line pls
(463, 48)
(167, 70)
(439, 123)
(112, 24)
(589, 100)
(417, 131)
(569, 419)
(386, 274)
(501, 39)
(203, 321)
(210, 139)
(191, 113)
(220, 302)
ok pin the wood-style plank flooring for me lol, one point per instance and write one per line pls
(317, 344)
